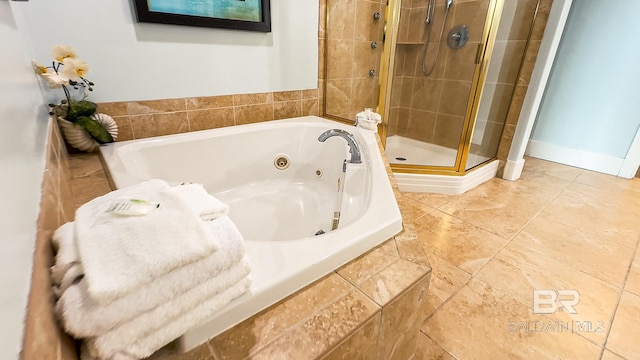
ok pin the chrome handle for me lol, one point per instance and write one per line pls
(374, 44)
(458, 36)
(372, 73)
(376, 16)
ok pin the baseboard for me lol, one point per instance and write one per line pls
(446, 184)
(572, 157)
(513, 170)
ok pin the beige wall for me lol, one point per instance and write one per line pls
(352, 29)
(432, 108)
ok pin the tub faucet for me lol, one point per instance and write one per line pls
(351, 141)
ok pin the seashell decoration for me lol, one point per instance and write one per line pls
(79, 139)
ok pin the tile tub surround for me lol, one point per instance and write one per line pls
(43, 338)
(372, 306)
(143, 119)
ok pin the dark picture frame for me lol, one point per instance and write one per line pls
(145, 14)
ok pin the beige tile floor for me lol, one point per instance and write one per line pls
(557, 228)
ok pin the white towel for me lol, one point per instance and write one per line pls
(67, 255)
(203, 203)
(164, 324)
(121, 253)
(82, 317)
(368, 119)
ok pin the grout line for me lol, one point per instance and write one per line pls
(339, 296)
(473, 276)
(602, 346)
(509, 241)
(133, 133)
(615, 310)
(446, 301)
(187, 111)
(445, 350)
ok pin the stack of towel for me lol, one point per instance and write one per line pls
(129, 285)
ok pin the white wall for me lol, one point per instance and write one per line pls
(591, 103)
(138, 61)
(23, 129)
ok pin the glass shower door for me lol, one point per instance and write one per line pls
(432, 85)
(501, 85)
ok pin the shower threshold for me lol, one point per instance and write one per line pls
(402, 150)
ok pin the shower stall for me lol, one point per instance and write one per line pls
(443, 81)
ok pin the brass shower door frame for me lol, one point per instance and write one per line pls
(483, 55)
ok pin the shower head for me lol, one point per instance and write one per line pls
(449, 3)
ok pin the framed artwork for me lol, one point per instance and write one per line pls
(253, 15)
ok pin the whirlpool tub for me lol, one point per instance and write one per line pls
(282, 186)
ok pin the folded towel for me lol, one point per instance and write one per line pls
(165, 323)
(73, 276)
(67, 254)
(121, 253)
(203, 203)
(83, 317)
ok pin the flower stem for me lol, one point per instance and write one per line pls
(67, 95)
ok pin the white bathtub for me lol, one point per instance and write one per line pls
(278, 211)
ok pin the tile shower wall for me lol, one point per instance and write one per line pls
(432, 108)
(502, 75)
(524, 77)
(350, 55)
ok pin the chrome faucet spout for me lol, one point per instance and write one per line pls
(354, 149)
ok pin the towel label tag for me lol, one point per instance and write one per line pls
(132, 207)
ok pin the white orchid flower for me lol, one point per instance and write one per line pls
(54, 81)
(39, 68)
(74, 69)
(61, 52)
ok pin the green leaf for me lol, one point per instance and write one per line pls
(95, 129)
(80, 108)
